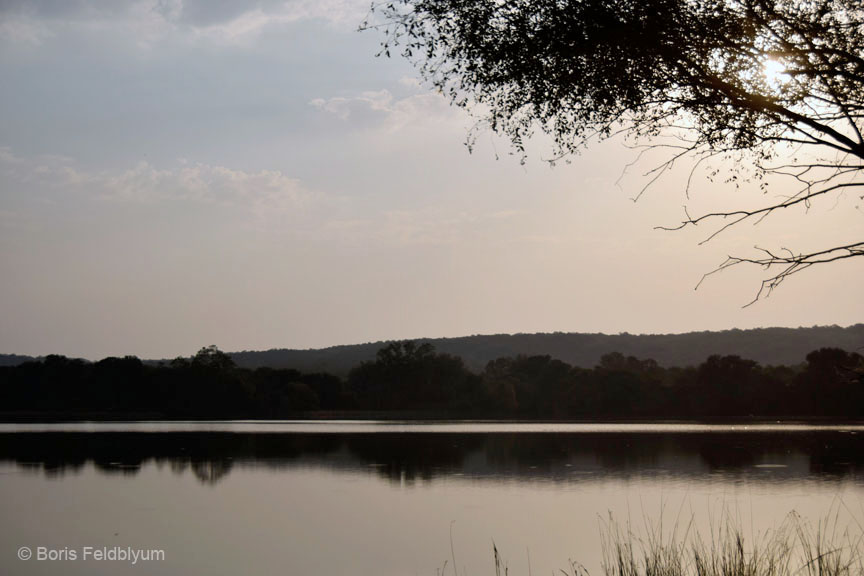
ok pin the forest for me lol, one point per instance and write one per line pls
(412, 380)
(765, 345)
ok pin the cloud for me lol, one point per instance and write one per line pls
(143, 22)
(382, 109)
(68, 10)
(7, 157)
(265, 197)
(205, 14)
(203, 183)
(425, 108)
(246, 26)
(429, 226)
(365, 106)
(267, 201)
(410, 82)
(46, 170)
(229, 21)
(23, 30)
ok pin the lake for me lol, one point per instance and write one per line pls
(387, 498)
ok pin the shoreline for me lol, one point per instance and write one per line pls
(410, 417)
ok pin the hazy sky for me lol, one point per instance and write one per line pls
(181, 173)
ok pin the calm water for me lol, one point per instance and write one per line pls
(384, 498)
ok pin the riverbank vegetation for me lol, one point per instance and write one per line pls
(795, 548)
(407, 379)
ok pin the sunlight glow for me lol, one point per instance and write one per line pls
(774, 72)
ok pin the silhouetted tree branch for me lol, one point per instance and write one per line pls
(790, 262)
(754, 80)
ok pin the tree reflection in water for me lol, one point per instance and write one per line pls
(428, 457)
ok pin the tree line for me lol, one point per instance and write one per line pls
(411, 379)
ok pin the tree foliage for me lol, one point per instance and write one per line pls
(408, 379)
(779, 83)
(408, 376)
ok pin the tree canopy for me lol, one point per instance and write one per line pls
(780, 82)
(410, 379)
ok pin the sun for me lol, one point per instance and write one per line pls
(774, 72)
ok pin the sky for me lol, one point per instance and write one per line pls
(181, 173)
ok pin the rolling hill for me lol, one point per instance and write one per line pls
(770, 346)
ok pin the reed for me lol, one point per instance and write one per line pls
(793, 549)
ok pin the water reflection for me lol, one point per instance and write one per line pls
(407, 459)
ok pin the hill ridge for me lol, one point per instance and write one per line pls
(770, 346)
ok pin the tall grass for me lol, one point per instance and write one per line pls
(793, 549)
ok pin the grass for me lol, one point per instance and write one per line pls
(794, 549)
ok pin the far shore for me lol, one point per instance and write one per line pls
(402, 416)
